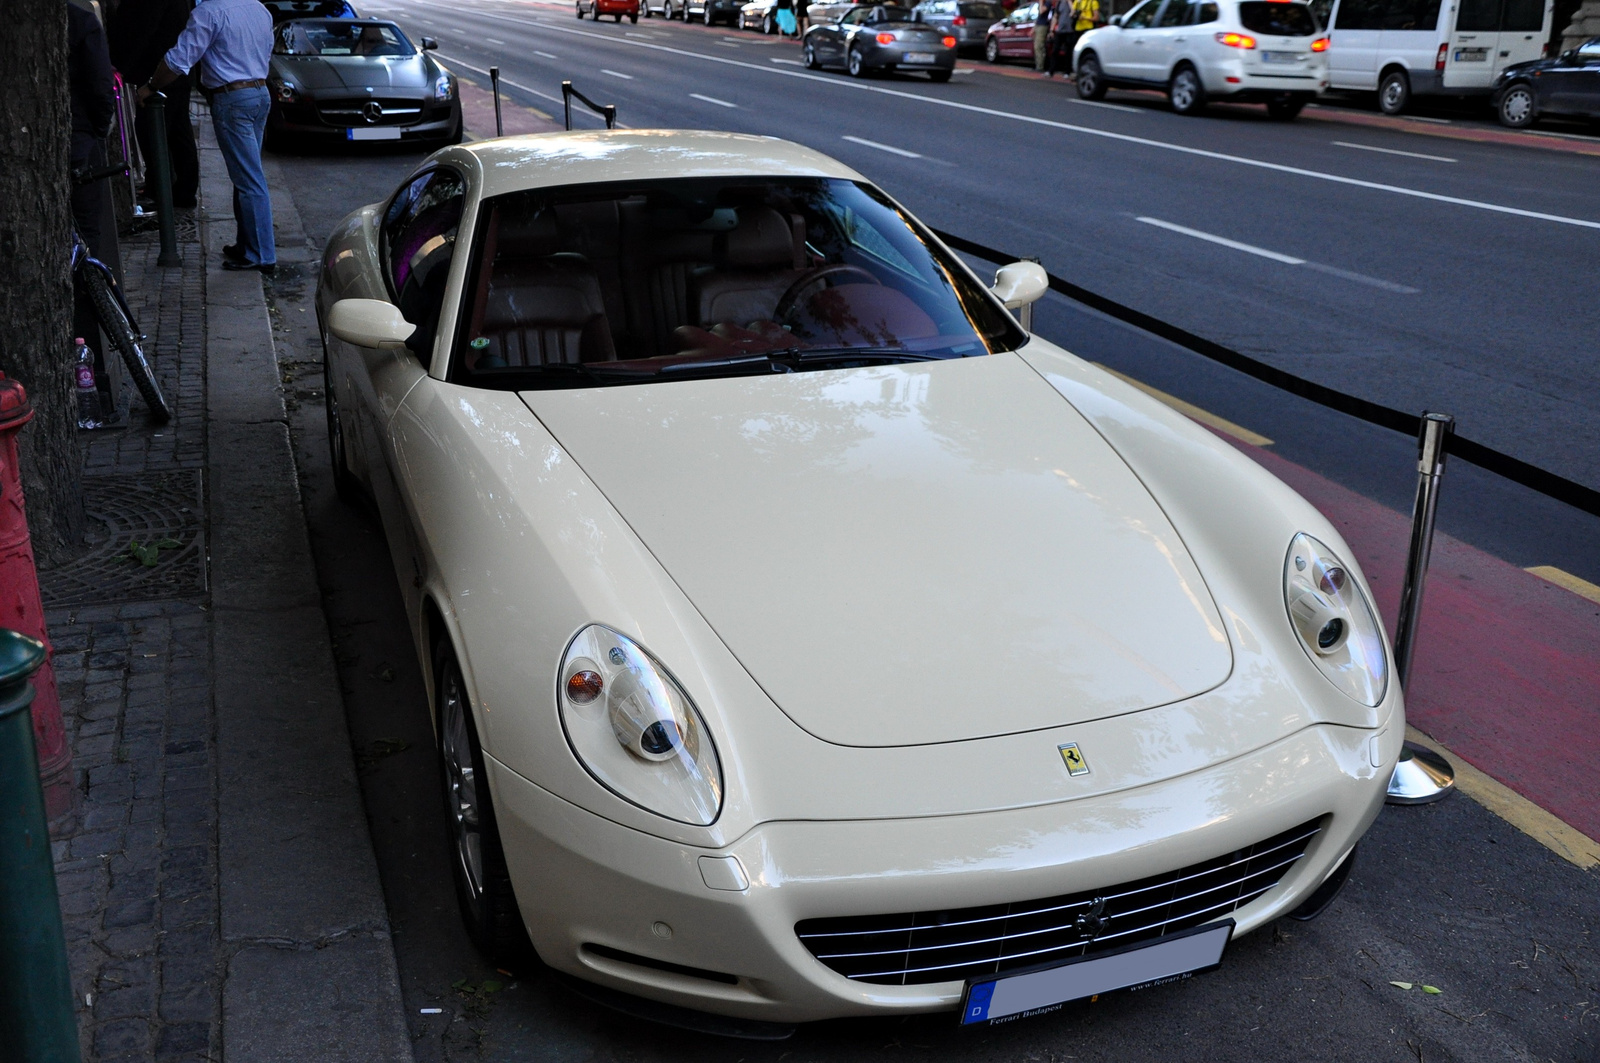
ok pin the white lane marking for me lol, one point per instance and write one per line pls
(547, 55)
(491, 40)
(1108, 106)
(725, 44)
(902, 152)
(712, 99)
(1106, 134)
(735, 40)
(557, 100)
(617, 74)
(787, 62)
(1288, 260)
(1393, 151)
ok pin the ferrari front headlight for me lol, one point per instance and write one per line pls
(1337, 625)
(443, 87)
(635, 730)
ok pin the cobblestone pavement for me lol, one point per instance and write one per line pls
(137, 871)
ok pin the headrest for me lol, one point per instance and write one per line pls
(761, 240)
(528, 237)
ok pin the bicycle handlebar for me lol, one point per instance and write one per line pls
(87, 177)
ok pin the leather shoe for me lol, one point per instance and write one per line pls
(237, 266)
(232, 253)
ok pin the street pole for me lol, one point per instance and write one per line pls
(161, 170)
(494, 84)
(35, 985)
(1421, 775)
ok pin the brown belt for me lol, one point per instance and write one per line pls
(252, 83)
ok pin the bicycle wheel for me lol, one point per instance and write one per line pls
(124, 336)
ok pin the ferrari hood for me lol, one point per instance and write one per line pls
(907, 554)
(355, 73)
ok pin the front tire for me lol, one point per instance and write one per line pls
(1394, 94)
(854, 64)
(345, 484)
(1185, 92)
(808, 55)
(1090, 81)
(991, 50)
(1518, 107)
(483, 885)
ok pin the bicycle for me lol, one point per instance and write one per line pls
(111, 309)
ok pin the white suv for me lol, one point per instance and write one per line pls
(1254, 51)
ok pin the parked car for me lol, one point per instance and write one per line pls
(1406, 48)
(879, 37)
(1012, 36)
(708, 11)
(759, 15)
(617, 9)
(1566, 85)
(1045, 672)
(284, 10)
(968, 21)
(828, 11)
(1245, 51)
(358, 79)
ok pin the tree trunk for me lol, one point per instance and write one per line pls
(35, 279)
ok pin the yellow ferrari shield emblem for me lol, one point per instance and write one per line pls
(1072, 757)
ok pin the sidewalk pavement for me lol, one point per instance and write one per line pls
(219, 889)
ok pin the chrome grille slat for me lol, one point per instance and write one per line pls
(915, 948)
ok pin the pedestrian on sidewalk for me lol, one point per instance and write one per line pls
(93, 100)
(802, 21)
(1041, 33)
(1083, 16)
(230, 41)
(785, 16)
(139, 33)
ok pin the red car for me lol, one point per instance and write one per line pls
(1012, 36)
(615, 8)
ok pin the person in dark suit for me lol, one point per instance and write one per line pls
(94, 107)
(140, 32)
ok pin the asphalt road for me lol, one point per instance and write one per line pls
(1446, 895)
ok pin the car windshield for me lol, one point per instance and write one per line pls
(342, 37)
(982, 11)
(889, 14)
(660, 280)
(287, 9)
(1274, 17)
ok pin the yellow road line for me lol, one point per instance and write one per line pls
(1193, 412)
(1581, 587)
(1566, 841)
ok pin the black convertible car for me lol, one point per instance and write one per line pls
(358, 79)
(1567, 85)
(874, 37)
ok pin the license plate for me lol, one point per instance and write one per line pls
(1472, 55)
(380, 133)
(1280, 57)
(1026, 993)
(917, 57)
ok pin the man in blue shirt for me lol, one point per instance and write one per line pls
(230, 41)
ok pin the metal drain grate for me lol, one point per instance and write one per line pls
(164, 506)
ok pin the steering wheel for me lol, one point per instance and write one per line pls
(791, 295)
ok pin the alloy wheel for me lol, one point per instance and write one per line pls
(809, 54)
(461, 782)
(853, 63)
(991, 51)
(1185, 91)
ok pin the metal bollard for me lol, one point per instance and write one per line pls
(1421, 775)
(35, 984)
(494, 86)
(161, 170)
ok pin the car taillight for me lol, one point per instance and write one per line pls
(949, 42)
(1320, 44)
(1236, 40)
(1438, 60)
(959, 20)
(885, 38)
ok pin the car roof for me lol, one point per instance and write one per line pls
(542, 160)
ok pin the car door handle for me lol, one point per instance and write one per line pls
(1504, 54)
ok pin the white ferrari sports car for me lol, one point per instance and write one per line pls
(804, 638)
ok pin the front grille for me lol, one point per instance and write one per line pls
(353, 112)
(921, 947)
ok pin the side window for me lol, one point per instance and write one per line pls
(1203, 12)
(419, 240)
(1424, 14)
(1478, 16)
(1359, 15)
(854, 16)
(1141, 17)
(1176, 13)
(1523, 16)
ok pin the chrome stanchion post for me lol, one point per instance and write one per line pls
(494, 85)
(1420, 775)
(161, 170)
(566, 103)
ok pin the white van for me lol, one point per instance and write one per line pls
(1432, 47)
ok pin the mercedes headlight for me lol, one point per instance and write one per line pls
(635, 730)
(1335, 622)
(443, 87)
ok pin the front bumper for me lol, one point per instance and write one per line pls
(585, 881)
(437, 121)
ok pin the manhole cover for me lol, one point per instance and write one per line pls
(155, 511)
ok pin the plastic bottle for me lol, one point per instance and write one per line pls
(88, 394)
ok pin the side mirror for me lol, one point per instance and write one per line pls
(370, 323)
(429, 44)
(1116, 20)
(1019, 284)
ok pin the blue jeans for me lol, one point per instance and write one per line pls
(240, 119)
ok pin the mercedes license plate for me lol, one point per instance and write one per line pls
(917, 57)
(1280, 57)
(1044, 989)
(380, 133)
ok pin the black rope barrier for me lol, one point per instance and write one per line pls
(1516, 470)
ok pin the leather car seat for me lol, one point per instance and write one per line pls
(756, 261)
(543, 306)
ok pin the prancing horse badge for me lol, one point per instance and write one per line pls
(1072, 757)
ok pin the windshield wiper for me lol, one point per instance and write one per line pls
(813, 355)
(766, 360)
